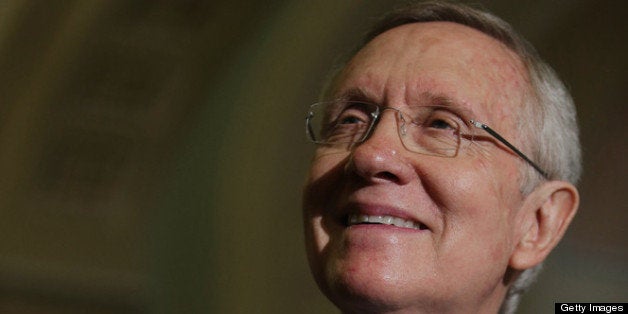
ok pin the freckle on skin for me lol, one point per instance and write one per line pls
(507, 77)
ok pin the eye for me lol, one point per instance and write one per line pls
(350, 120)
(353, 116)
(441, 120)
(440, 124)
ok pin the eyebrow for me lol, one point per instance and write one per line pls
(356, 93)
(431, 98)
(424, 98)
(442, 100)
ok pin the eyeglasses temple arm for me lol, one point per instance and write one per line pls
(513, 148)
(310, 132)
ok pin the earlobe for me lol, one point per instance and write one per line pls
(547, 211)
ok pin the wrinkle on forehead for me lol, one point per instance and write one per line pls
(406, 63)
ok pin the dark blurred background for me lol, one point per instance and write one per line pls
(152, 152)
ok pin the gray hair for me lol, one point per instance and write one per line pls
(548, 117)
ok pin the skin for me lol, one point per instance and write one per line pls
(479, 226)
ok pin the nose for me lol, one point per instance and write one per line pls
(382, 158)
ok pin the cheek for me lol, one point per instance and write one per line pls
(324, 165)
(320, 192)
(491, 172)
(325, 180)
(476, 214)
(316, 240)
(326, 176)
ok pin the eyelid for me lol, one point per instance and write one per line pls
(446, 111)
(355, 112)
(461, 116)
(344, 108)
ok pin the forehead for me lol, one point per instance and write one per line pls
(413, 63)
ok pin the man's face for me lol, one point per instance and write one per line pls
(467, 205)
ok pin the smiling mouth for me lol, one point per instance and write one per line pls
(360, 219)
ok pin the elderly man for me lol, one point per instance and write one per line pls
(447, 154)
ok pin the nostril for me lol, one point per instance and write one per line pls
(387, 176)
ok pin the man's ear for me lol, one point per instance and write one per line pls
(546, 214)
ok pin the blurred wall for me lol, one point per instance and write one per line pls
(152, 152)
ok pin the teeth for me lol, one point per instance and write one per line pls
(355, 219)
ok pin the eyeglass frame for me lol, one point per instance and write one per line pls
(475, 123)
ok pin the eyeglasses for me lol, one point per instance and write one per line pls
(512, 147)
(428, 130)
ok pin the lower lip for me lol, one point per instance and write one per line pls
(380, 239)
(383, 227)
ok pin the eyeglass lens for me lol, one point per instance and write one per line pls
(423, 129)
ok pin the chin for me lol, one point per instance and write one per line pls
(352, 299)
(363, 286)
